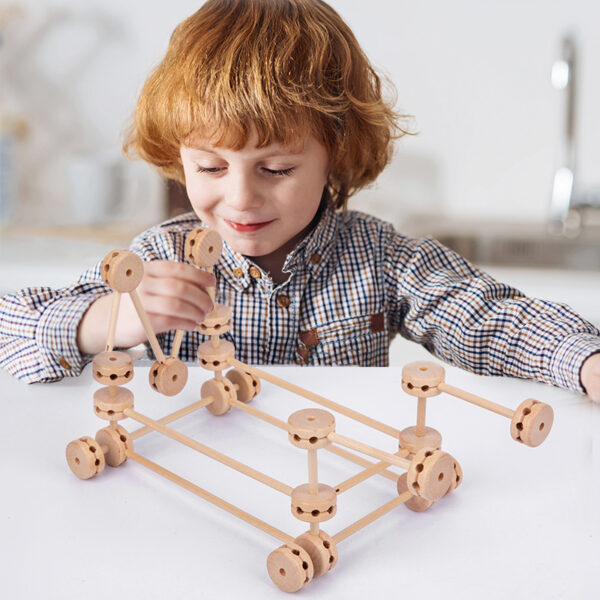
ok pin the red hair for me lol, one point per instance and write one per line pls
(288, 68)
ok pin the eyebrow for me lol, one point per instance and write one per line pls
(280, 152)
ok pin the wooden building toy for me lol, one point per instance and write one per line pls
(428, 472)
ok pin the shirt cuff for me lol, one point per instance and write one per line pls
(568, 358)
(56, 337)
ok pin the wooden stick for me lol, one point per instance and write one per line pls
(359, 460)
(395, 433)
(210, 452)
(366, 473)
(177, 343)
(458, 393)
(391, 459)
(147, 327)
(313, 482)
(212, 293)
(234, 510)
(112, 326)
(361, 523)
(138, 433)
(422, 404)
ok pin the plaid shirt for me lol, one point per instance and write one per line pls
(353, 284)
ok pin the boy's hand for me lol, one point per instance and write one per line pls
(590, 377)
(173, 295)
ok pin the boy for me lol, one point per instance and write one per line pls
(272, 116)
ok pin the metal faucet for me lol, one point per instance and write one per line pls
(567, 202)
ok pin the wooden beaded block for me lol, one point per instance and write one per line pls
(113, 368)
(122, 270)
(168, 378)
(531, 422)
(321, 549)
(309, 428)
(290, 567)
(314, 508)
(215, 359)
(245, 384)
(110, 402)
(430, 473)
(415, 503)
(222, 392)
(85, 458)
(421, 378)
(409, 440)
(203, 247)
(117, 441)
(217, 322)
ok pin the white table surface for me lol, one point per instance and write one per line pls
(524, 523)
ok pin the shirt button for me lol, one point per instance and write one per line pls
(64, 364)
(237, 272)
(315, 258)
(254, 272)
(283, 300)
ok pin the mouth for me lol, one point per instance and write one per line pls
(247, 227)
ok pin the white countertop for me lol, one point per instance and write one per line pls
(524, 524)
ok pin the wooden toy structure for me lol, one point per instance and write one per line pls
(430, 473)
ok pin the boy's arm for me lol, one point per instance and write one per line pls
(38, 329)
(590, 377)
(467, 318)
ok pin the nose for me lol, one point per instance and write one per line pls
(243, 193)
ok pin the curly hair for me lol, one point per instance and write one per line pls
(288, 68)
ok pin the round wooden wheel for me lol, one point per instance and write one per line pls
(215, 359)
(409, 440)
(168, 378)
(321, 549)
(122, 270)
(421, 378)
(117, 441)
(290, 567)
(314, 508)
(532, 422)
(415, 503)
(216, 322)
(203, 247)
(110, 402)
(246, 390)
(309, 428)
(113, 368)
(430, 473)
(85, 458)
(222, 392)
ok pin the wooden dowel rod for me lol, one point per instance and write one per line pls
(210, 452)
(313, 473)
(212, 293)
(395, 433)
(421, 406)
(458, 393)
(342, 440)
(359, 460)
(361, 523)
(365, 474)
(177, 343)
(112, 325)
(138, 433)
(230, 508)
(147, 327)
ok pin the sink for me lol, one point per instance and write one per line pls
(513, 244)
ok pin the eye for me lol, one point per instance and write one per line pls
(279, 172)
(200, 169)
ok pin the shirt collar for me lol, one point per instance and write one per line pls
(309, 254)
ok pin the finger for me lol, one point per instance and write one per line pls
(175, 308)
(178, 289)
(179, 270)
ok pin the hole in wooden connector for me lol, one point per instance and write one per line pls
(313, 440)
(296, 552)
(128, 272)
(123, 438)
(304, 565)
(526, 411)
(174, 378)
(326, 544)
(541, 426)
(441, 477)
(76, 461)
(310, 418)
(422, 368)
(419, 467)
(315, 513)
(112, 358)
(282, 572)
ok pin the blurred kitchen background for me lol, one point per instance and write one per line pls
(503, 93)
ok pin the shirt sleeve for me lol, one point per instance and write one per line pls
(38, 329)
(467, 318)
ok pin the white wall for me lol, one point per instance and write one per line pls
(475, 73)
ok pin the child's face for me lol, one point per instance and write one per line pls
(260, 200)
